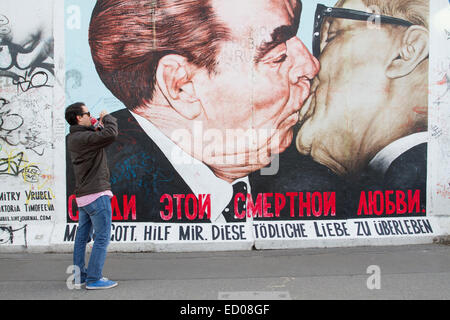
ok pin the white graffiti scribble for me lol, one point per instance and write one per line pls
(34, 134)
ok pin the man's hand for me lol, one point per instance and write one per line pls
(102, 114)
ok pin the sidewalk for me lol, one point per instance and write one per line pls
(405, 272)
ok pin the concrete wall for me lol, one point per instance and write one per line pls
(45, 65)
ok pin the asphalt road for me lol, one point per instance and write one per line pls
(404, 272)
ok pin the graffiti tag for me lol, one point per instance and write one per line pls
(17, 165)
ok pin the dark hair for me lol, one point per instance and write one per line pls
(129, 37)
(72, 111)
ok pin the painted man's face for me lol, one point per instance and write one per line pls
(346, 117)
(24, 45)
(262, 79)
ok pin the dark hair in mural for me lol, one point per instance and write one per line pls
(415, 11)
(73, 111)
(128, 38)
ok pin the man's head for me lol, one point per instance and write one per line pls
(78, 114)
(230, 65)
(372, 86)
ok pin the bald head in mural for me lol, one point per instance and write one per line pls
(194, 73)
(368, 109)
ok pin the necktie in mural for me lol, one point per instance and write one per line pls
(229, 211)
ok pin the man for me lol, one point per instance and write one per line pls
(367, 116)
(92, 189)
(192, 73)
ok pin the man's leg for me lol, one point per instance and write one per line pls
(81, 239)
(100, 214)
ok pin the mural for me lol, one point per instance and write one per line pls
(274, 124)
(247, 129)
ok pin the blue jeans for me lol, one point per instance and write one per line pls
(98, 215)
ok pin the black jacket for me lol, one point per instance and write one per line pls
(86, 147)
